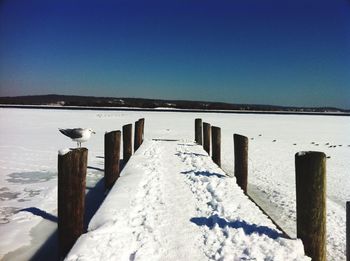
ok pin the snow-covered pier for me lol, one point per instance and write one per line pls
(172, 202)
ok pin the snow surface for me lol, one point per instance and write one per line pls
(30, 141)
(63, 151)
(173, 203)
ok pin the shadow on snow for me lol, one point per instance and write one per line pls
(248, 229)
(203, 173)
(41, 213)
(95, 168)
(191, 154)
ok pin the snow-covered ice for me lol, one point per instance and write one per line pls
(173, 203)
(30, 141)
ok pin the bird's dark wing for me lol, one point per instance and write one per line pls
(72, 133)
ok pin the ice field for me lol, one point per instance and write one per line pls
(30, 141)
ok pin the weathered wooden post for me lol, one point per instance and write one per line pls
(310, 168)
(71, 197)
(216, 145)
(137, 134)
(198, 131)
(241, 160)
(206, 137)
(127, 142)
(348, 231)
(112, 158)
(142, 122)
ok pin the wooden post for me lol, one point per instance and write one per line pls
(71, 197)
(216, 147)
(137, 134)
(310, 168)
(241, 160)
(112, 158)
(198, 131)
(348, 231)
(127, 142)
(142, 122)
(206, 137)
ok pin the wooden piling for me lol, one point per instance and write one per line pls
(112, 158)
(241, 160)
(310, 179)
(142, 123)
(137, 135)
(198, 131)
(206, 137)
(71, 197)
(348, 231)
(216, 145)
(127, 142)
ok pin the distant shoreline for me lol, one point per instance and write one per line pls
(53, 107)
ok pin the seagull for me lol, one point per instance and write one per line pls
(78, 134)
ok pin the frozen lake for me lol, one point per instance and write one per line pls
(30, 140)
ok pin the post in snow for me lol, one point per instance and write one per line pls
(348, 230)
(142, 134)
(241, 160)
(198, 131)
(206, 137)
(216, 145)
(310, 168)
(127, 143)
(137, 135)
(72, 168)
(112, 158)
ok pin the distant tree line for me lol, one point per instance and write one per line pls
(66, 100)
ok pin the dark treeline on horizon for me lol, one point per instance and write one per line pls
(68, 100)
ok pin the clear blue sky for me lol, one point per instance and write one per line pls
(239, 51)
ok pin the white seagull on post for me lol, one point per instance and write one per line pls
(78, 135)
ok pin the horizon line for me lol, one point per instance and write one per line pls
(182, 100)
